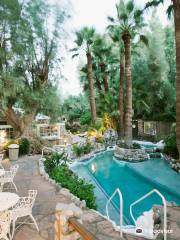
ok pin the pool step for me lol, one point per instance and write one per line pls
(144, 225)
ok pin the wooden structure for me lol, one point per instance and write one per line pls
(68, 224)
(151, 128)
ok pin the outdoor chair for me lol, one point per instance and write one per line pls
(8, 177)
(5, 224)
(24, 209)
(1, 158)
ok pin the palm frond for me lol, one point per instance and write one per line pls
(130, 6)
(144, 39)
(153, 3)
(111, 19)
(73, 50)
(75, 55)
(169, 11)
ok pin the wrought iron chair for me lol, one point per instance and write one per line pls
(8, 176)
(24, 209)
(5, 224)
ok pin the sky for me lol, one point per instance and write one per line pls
(91, 13)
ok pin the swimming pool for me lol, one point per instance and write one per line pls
(133, 179)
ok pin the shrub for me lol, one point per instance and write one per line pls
(54, 160)
(77, 186)
(24, 146)
(9, 142)
(79, 150)
(98, 124)
(136, 146)
(63, 175)
(170, 147)
(36, 145)
(85, 118)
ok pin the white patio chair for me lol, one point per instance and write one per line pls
(24, 209)
(1, 158)
(8, 177)
(5, 223)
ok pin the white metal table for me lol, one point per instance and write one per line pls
(1, 172)
(8, 200)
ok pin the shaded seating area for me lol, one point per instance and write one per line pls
(13, 207)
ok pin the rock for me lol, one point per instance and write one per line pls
(65, 192)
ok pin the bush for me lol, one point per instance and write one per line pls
(54, 160)
(98, 124)
(79, 150)
(136, 146)
(24, 146)
(170, 147)
(85, 118)
(63, 175)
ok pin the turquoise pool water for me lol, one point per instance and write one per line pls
(133, 179)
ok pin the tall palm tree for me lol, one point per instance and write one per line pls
(84, 41)
(176, 7)
(115, 35)
(130, 22)
(102, 54)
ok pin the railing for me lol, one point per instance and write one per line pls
(165, 208)
(78, 227)
(121, 208)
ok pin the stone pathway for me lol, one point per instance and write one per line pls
(28, 177)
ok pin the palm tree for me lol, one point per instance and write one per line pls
(84, 41)
(176, 7)
(130, 22)
(115, 35)
(102, 54)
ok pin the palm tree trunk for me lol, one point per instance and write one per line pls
(176, 4)
(98, 85)
(121, 95)
(105, 77)
(128, 102)
(91, 86)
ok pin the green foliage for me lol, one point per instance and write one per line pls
(133, 146)
(24, 146)
(77, 186)
(74, 107)
(82, 149)
(85, 118)
(62, 174)
(136, 146)
(7, 143)
(170, 146)
(54, 160)
(98, 124)
(153, 70)
(28, 55)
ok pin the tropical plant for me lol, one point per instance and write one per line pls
(54, 160)
(175, 6)
(77, 186)
(115, 34)
(84, 41)
(130, 22)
